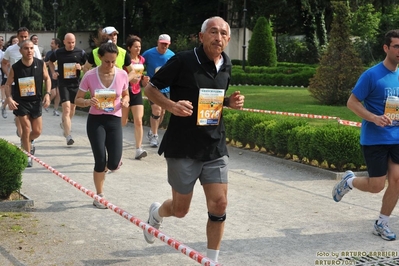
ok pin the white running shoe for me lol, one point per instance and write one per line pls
(383, 231)
(98, 204)
(30, 162)
(69, 140)
(154, 223)
(140, 153)
(342, 187)
(154, 141)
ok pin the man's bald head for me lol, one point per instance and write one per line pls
(69, 41)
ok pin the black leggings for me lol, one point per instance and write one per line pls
(105, 135)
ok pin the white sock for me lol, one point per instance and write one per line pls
(350, 182)
(212, 254)
(383, 219)
(156, 215)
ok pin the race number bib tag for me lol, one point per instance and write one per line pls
(106, 100)
(69, 70)
(56, 65)
(392, 109)
(27, 86)
(210, 105)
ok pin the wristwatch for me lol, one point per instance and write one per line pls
(49, 93)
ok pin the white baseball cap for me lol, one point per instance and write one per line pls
(110, 30)
(164, 38)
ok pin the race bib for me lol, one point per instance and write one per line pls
(106, 100)
(392, 109)
(210, 106)
(27, 86)
(69, 70)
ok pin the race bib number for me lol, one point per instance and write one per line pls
(106, 100)
(392, 109)
(210, 105)
(56, 65)
(27, 86)
(69, 70)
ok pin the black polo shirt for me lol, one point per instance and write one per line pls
(186, 73)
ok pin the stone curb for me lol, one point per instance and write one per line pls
(13, 205)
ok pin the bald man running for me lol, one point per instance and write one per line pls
(70, 60)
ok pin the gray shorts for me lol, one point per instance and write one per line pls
(183, 172)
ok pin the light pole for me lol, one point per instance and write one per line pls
(124, 19)
(5, 15)
(244, 46)
(55, 7)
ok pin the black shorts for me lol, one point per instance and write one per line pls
(135, 99)
(377, 156)
(68, 93)
(166, 94)
(31, 108)
(54, 83)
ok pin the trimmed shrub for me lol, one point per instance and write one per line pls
(268, 137)
(258, 133)
(244, 129)
(13, 163)
(339, 146)
(230, 118)
(281, 132)
(262, 48)
(333, 143)
(279, 76)
(299, 141)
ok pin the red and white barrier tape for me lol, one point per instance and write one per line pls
(340, 121)
(350, 123)
(195, 255)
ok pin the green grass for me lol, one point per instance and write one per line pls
(290, 99)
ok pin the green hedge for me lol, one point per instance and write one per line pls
(13, 163)
(337, 145)
(273, 76)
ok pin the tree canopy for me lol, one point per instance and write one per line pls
(183, 18)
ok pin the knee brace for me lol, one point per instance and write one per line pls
(215, 218)
(155, 116)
